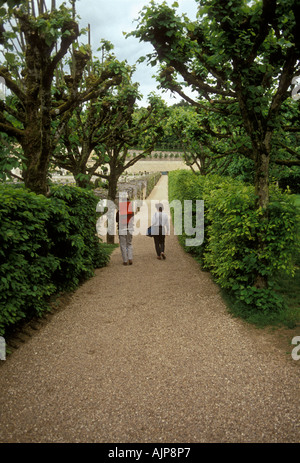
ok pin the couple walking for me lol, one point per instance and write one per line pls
(160, 226)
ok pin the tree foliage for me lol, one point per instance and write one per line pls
(100, 133)
(204, 138)
(241, 57)
(27, 115)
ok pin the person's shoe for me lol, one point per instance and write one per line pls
(163, 255)
(158, 257)
(124, 263)
(130, 262)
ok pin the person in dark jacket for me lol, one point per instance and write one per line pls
(160, 226)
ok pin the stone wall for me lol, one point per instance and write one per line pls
(136, 186)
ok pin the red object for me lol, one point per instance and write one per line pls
(126, 212)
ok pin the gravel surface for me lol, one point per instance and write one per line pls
(149, 354)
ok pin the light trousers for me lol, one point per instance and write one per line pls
(126, 246)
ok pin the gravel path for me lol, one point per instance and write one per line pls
(148, 354)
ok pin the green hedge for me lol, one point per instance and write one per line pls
(232, 226)
(46, 245)
(74, 236)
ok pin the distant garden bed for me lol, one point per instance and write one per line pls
(159, 155)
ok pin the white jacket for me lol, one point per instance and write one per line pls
(161, 218)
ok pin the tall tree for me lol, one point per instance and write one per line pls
(239, 51)
(45, 40)
(204, 138)
(245, 52)
(127, 127)
(81, 147)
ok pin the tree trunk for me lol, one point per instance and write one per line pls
(81, 166)
(261, 183)
(261, 178)
(35, 173)
(38, 74)
(112, 194)
(37, 148)
(37, 144)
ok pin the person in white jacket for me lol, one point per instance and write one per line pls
(160, 226)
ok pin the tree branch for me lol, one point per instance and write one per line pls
(287, 163)
(289, 150)
(11, 84)
(86, 96)
(288, 128)
(284, 83)
(71, 26)
(8, 172)
(267, 15)
(11, 130)
(11, 111)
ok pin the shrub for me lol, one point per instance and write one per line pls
(74, 236)
(26, 266)
(46, 245)
(232, 229)
(233, 253)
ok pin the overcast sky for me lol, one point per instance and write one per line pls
(110, 18)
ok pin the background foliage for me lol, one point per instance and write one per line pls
(46, 245)
(232, 226)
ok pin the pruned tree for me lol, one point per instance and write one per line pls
(128, 127)
(236, 52)
(44, 38)
(100, 133)
(204, 139)
(80, 148)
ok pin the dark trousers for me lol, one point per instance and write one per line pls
(159, 241)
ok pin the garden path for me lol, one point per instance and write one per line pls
(149, 353)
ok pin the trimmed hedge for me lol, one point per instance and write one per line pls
(232, 226)
(46, 245)
(74, 237)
